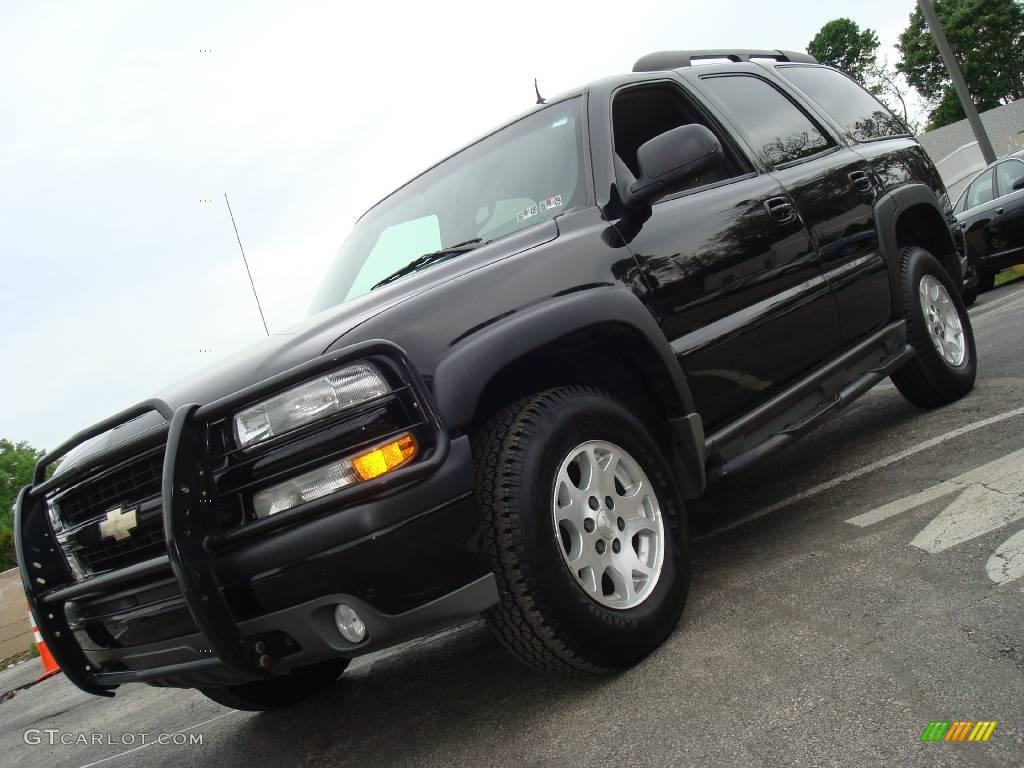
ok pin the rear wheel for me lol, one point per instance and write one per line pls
(586, 532)
(939, 329)
(971, 289)
(278, 692)
(986, 280)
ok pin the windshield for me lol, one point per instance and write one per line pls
(525, 173)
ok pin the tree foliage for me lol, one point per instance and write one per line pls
(987, 37)
(17, 462)
(842, 44)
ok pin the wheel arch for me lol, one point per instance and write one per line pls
(910, 215)
(603, 337)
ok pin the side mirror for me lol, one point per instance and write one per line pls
(1019, 184)
(671, 158)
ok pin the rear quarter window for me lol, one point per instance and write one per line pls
(864, 116)
(980, 191)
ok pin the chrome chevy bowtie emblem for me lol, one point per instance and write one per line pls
(118, 524)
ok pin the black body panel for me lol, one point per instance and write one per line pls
(749, 305)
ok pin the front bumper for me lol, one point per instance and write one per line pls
(225, 607)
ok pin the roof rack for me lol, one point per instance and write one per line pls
(664, 60)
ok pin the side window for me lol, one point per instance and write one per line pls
(1008, 174)
(642, 112)
(776, 127)
(981, 190)
(858, 111)
(961, 204)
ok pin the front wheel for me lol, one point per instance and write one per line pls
(939, 329)
(586, 532)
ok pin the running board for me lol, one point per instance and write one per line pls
(805, 405)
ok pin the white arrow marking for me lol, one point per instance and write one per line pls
(991, 496)
(1007, 562)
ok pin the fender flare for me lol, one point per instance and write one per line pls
(461, 376)
(888, 209)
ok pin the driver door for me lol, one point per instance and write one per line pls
(730, 265)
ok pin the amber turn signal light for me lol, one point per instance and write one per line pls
(384, 458)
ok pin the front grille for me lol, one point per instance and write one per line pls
(146, 541)
(134, 484)
(127, 484)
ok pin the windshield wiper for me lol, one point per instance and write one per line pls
(427, 259)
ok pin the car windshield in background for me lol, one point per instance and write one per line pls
(519, 176)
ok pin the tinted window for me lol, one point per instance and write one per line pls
(981, 190)
(1008, 174)
(776, 127)
(643, 112)
(857, 110)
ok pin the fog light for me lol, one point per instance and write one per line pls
(349, 624)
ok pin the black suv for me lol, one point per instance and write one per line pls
(519, 367)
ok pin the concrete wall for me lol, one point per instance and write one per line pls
(955, 152)
(15, 630)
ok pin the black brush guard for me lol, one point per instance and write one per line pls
(189, 530)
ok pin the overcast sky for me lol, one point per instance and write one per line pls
(115, 123)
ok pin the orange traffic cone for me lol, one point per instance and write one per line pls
(50, 666)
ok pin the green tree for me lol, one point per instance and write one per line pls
(842, 44)
(890, 87)
(17, 462)
(987, 37)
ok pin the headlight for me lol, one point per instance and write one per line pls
(53, 511)
(334, 476)
(308, 402)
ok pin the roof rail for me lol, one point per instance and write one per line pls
(664, 60)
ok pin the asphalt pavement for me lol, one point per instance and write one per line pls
(846, 593)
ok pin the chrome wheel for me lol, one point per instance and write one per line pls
(943, 321)
(609, 525)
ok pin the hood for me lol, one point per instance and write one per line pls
(308, 340)
(263, 359)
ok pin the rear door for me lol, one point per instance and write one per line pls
(731, 267)
(834, 191)
(877, 150)
(1007, 228)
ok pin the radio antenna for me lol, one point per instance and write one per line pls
(246, 262)
(540, 99)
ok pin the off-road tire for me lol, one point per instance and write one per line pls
(928, 380)
(544, 617)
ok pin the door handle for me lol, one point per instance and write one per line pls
(861, 182)
(780, 209)
(999, 211)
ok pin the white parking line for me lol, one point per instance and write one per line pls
(152, 743)
(983, 309)
(989, 497)
(1007, 562)
(881, 463)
